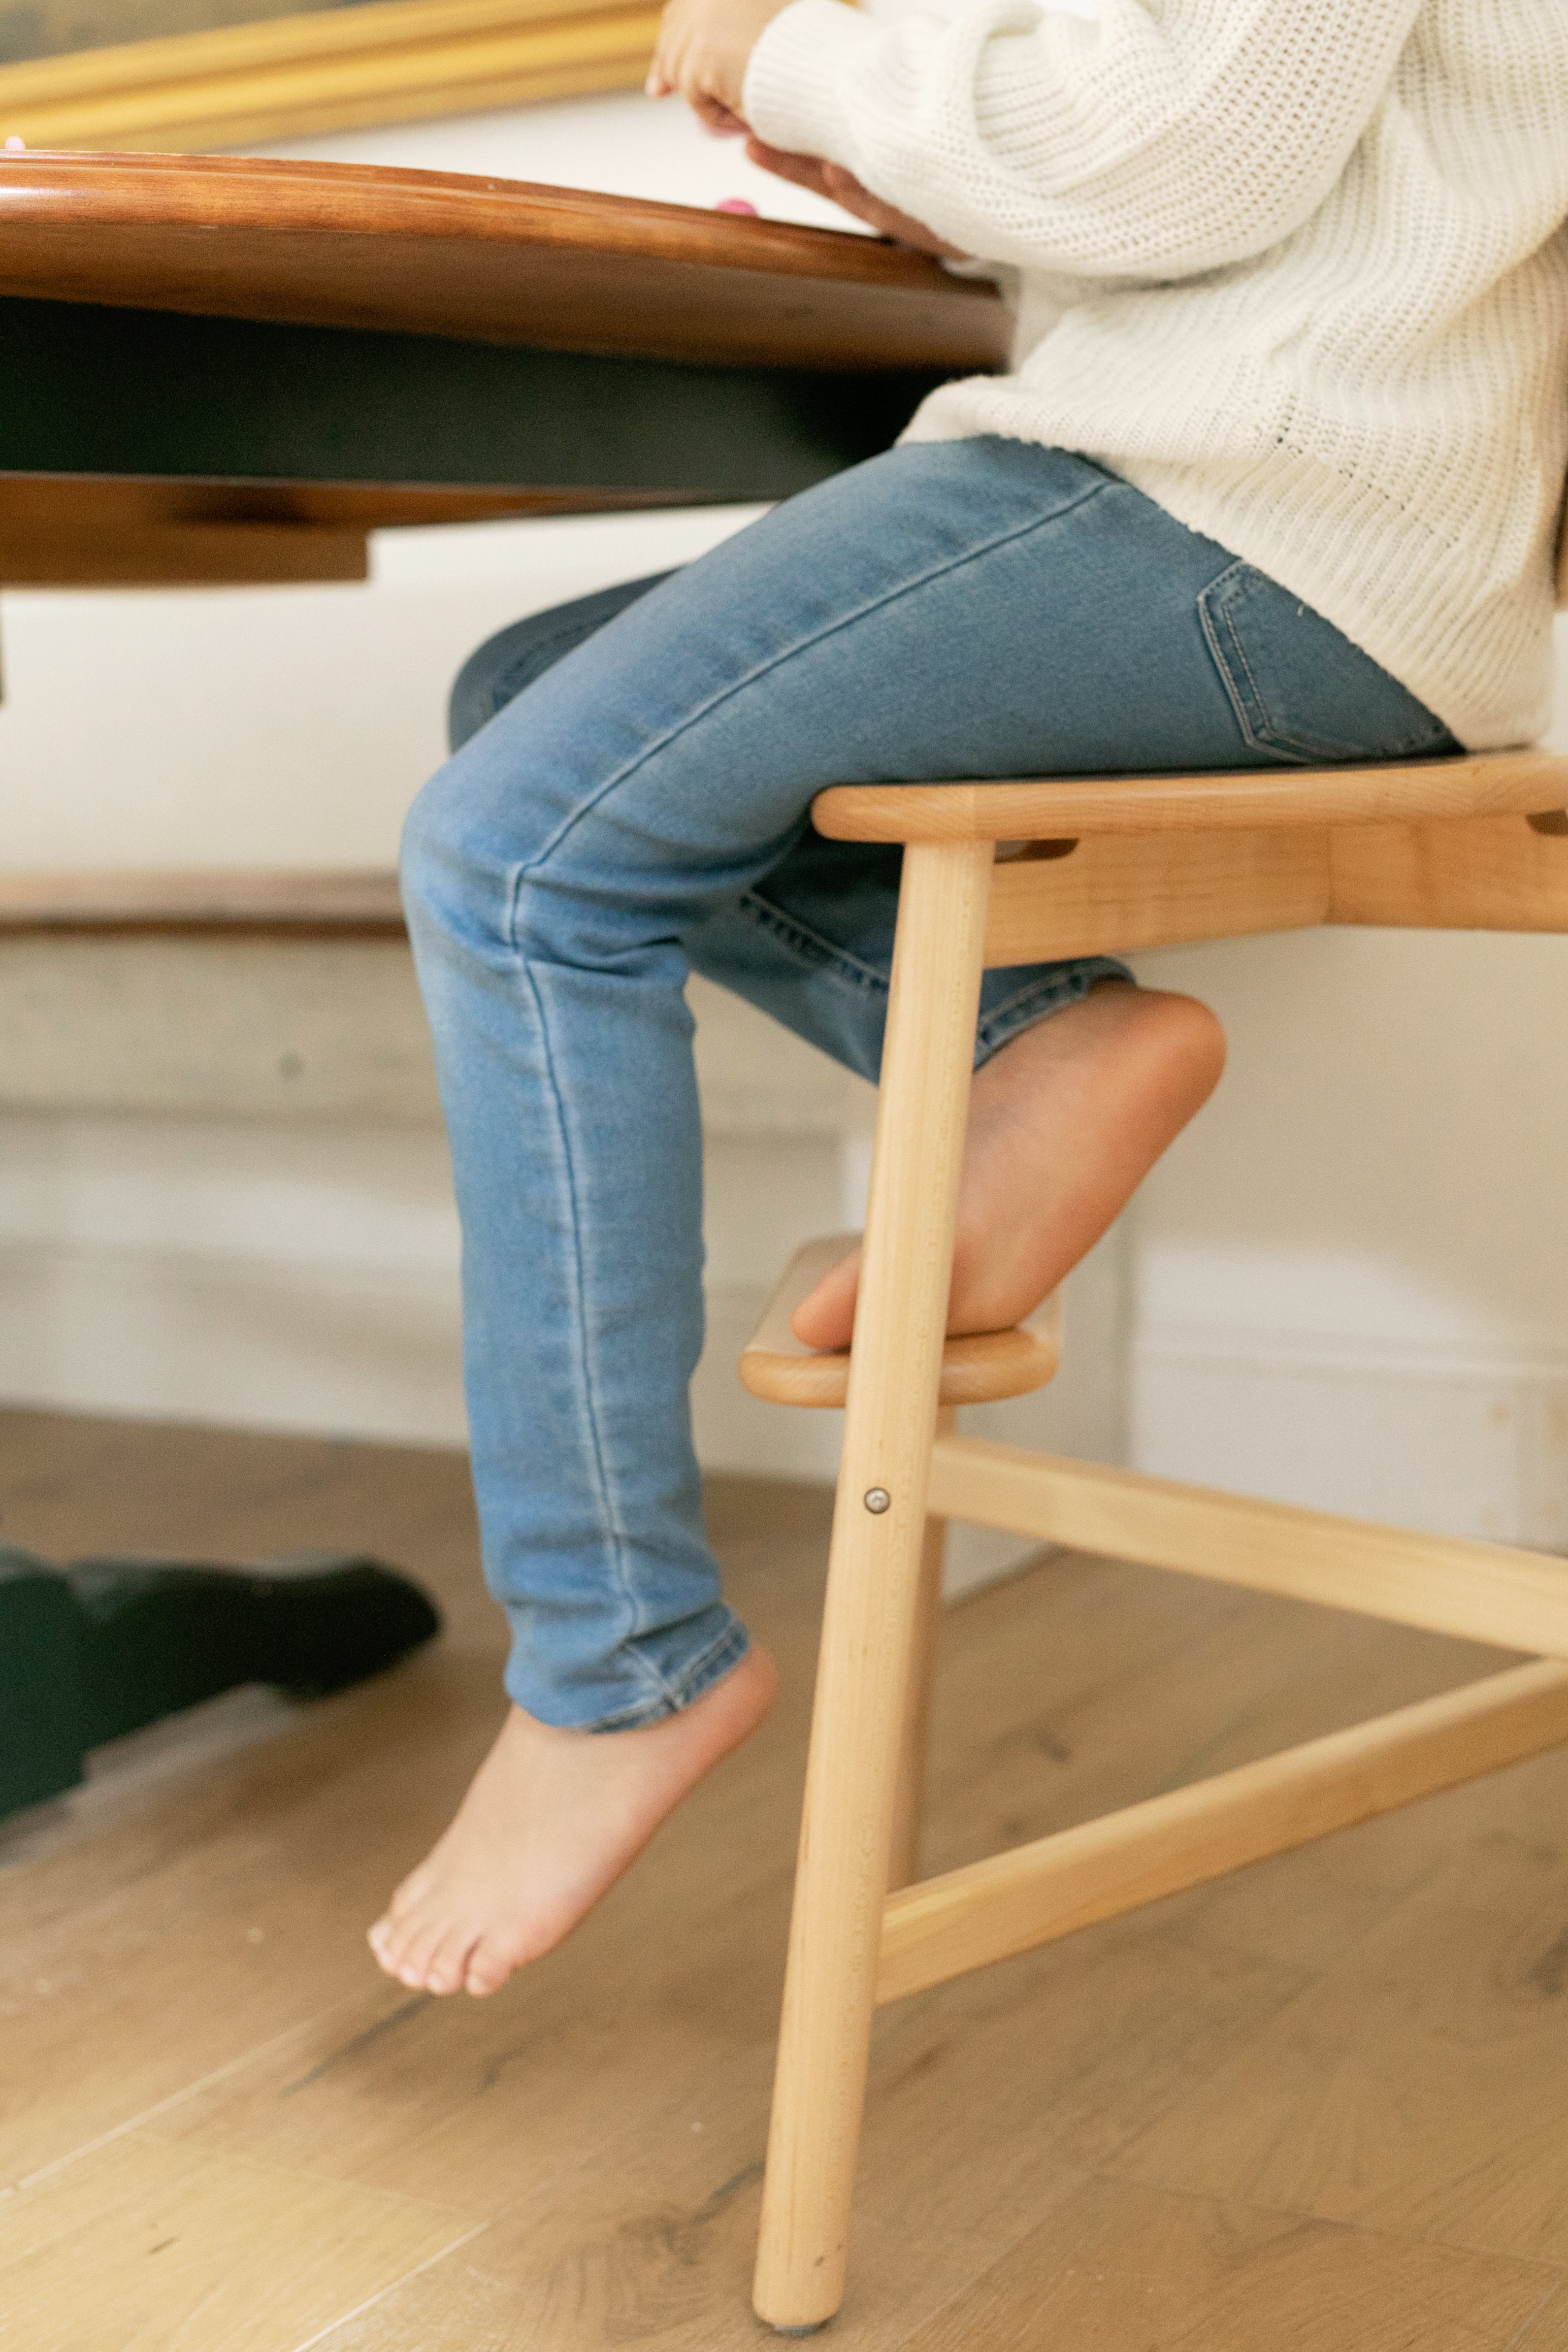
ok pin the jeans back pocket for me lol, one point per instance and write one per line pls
(1297, 686)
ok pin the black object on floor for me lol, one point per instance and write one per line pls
(91, 1651)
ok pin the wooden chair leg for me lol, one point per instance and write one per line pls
(874, 1582)
(909, 1796)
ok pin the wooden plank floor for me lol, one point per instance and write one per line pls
(1321, 2108)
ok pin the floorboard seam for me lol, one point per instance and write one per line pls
(1528, 2323)
(161, 2106)
(346, 2319)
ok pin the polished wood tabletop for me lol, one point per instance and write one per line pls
(219, 368)
(502, 261)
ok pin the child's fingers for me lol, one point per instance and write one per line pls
(718, 120)
(663, 73)
(660, 82)
(845, 189)
(805, 171)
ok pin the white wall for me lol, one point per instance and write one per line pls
(277, 726)
(1352, 1279)
(1346, 1283)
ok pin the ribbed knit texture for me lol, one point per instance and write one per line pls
(1295, 269)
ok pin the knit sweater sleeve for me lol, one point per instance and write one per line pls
(1156, 141)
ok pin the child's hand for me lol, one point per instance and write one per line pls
(703, 48)
(842, 188)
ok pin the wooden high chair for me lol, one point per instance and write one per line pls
(1476, 843)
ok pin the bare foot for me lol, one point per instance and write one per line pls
(551, 1820)
(1064, 1124)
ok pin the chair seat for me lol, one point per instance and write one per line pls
(978, 1370)
(1478, 784)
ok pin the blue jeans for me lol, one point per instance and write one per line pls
(629, 800)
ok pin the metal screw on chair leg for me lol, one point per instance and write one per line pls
(877, 1498)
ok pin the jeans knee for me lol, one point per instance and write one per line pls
(440, 863)
(468, 840)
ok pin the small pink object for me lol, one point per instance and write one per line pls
(14, 146)
(737, 205)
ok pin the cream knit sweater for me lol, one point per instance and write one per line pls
(1295, 269)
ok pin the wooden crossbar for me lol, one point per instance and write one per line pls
(991, 1910)
(1480, 1592)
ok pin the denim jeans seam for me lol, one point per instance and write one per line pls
(1053, 996)
(1062, 981)
(695, 1677)
(776, 662)
(790, 932)
(613, 1518)
(1210, 625)
(1267, 734)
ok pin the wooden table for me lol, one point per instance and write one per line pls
(214, 370)
(221, 370)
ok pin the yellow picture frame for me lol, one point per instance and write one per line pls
(333, 69)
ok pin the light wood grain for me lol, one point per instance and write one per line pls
(1417, 2086)
(205, 2231)
(648, 2237)
(1490, 873)
(1482, 783)
(1121, 885)
(970, 1918)
(283, 78)
(869, 1624)
(439, 253)
(1548, 2331)
(914, 1742)
(1207, 1677)
(1116, 893)
(1370, 2018)
(1169, 2272)
(781, 1370)
(1480, 1592)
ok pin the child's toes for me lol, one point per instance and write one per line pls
(411, 1966)
(488, 1967)
(386, 1944)
(446, 1969)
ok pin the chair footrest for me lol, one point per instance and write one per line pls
(976, 1369)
